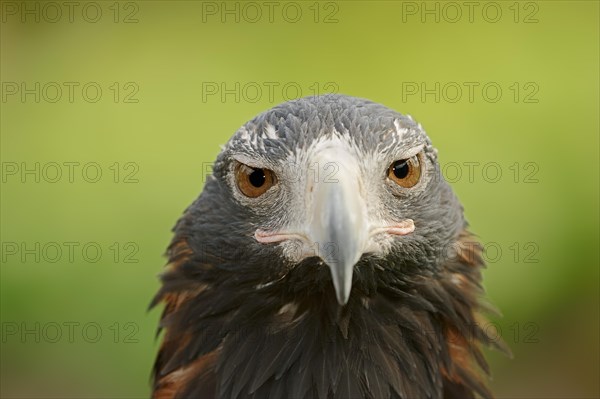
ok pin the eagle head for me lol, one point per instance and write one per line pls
(326, 257)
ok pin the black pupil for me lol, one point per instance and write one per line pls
(400, 169)
(257, 178)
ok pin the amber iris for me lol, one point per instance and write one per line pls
(253, 182)
(405, 172)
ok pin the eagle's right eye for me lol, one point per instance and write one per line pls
(406, 172)
(253, 182)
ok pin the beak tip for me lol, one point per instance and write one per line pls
(343, 298)
(342, 282)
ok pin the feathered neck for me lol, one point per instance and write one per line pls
(401, 335)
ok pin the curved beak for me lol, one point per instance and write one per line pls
(339, 225)
(336, 225)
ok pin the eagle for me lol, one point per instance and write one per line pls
(326, 257)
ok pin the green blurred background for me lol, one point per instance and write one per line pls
(178, 78)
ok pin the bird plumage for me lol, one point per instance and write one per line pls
(244, 319)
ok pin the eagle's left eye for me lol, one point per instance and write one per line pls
(253, 182)
(406, 172)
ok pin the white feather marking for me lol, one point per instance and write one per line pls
(245, 134)
(400, 131)
(269, 131)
